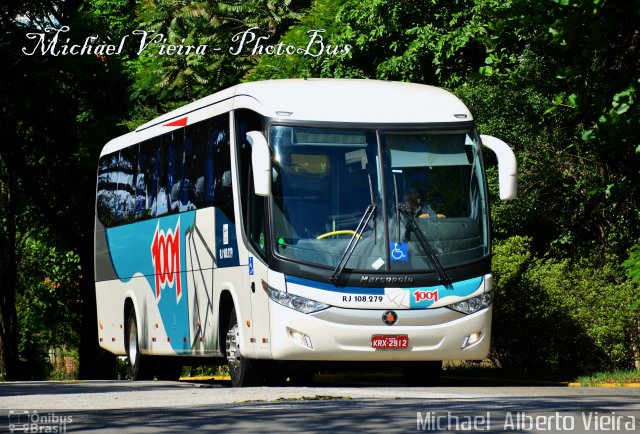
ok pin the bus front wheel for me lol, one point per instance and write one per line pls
(140, 367)
(243, 371)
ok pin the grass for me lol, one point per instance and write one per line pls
(457, 373)
(205, 371)
(486, 372)
(613, 378)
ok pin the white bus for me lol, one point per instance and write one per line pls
(279, 225)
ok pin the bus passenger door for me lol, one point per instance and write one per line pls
(258, 274)
(254, 225)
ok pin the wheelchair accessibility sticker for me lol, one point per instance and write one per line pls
(399, 251)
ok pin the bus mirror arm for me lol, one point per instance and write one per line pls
(507, 166)
(261, 162)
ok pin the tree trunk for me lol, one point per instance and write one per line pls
(95, 362)
(8, 265)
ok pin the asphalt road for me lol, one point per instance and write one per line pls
(172, 407)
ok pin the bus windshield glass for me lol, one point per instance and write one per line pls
(327, 180)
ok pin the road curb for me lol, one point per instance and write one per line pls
(341, 377)
(368, 378)
(206, 378)
(632, 385)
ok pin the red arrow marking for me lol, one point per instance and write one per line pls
(182, 122)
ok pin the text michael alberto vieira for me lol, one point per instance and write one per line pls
(522, 421)
(54, 42)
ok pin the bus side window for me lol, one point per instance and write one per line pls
(150, 173)
(209, 170)
(181, 195)
(141, 184)
(127, 169)
(107, 195)
(195, 151)
(252, 206)
(221, 154)
(169, 184)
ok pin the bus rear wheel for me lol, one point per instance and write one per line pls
(140, 366)
(243, 371)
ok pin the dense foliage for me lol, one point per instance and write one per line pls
(55, 112)
(49, 304)
(161, 79)
(567, 315)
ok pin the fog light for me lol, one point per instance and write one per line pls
(470, 340)
(301, 339)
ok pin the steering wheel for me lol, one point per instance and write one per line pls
(341, 232)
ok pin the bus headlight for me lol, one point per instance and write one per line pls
(472, 305)
(295, 302)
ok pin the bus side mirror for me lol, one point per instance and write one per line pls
(507, 166)
(261, 162)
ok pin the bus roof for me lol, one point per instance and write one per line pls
(319, 100)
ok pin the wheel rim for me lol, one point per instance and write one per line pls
(133, 343)
(233, 348)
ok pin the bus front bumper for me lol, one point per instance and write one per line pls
(298, 336)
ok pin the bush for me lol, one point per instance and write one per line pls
(571, 317)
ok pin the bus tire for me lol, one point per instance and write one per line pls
(243, 371)
(425, 373)
(140, 366)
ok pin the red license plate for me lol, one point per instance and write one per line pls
(389, 342)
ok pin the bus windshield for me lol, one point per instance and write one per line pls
(418, 196)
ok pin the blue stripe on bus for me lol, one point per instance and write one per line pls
(329, 287)
(462, 289)
(132, 248)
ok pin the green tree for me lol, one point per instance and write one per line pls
(537, 297)
(55, 113)
(48, 302)
(582, 56)
(321, 16)
(632, 264)
(10, 242)
(216, 26)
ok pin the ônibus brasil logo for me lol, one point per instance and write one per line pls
(165, 254)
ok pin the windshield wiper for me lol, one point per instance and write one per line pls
(362, 224)
(364, 221)
(412, 225)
